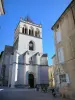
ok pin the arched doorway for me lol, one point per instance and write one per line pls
(31, 80)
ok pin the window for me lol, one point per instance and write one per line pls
(31, 45)
(58, 37)
(37, 33)
(60, 55)
(29, 32)
(26, 31)
(32, 32)
(23, 30)
(67, 78)
(62, 78)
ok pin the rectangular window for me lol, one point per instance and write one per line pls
(62, 78)
(58, 37)
(60, 55)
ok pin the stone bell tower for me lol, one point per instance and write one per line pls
(29, 57)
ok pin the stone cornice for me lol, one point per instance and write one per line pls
(37, 25)
(28, 64)
(30, 35)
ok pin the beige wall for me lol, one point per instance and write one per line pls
(67, 30)
(55, 71)
(51, 76)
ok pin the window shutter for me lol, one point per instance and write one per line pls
(58, 37)
(67, 78)
(60, 55)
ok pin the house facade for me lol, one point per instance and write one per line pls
(64, 36)
(56, 72)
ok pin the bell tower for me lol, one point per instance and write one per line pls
(28, 36)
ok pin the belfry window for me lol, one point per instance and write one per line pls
(37, 33)
(31, 45)
(30, 32)
(23, 30)
(26, 31)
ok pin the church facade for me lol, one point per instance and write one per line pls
(28, 65)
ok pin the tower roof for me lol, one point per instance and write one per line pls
(28, 19)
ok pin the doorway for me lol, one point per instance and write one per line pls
(31, 80)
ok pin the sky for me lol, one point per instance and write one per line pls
(45, 12)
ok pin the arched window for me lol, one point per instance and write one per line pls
(30, 32)
(26, 31)
(37, 33)
(23, 30)
(31, 45)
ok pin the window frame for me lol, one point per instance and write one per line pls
(26, 30)
(31, 48)
(23, 30)
(62, 78)
(58, 37)
(60, 55)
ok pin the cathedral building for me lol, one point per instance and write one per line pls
(25, 63)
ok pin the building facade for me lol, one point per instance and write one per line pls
(2, 7)
(27, 64)
(64, 36)
(51, 76)
(56, 74)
